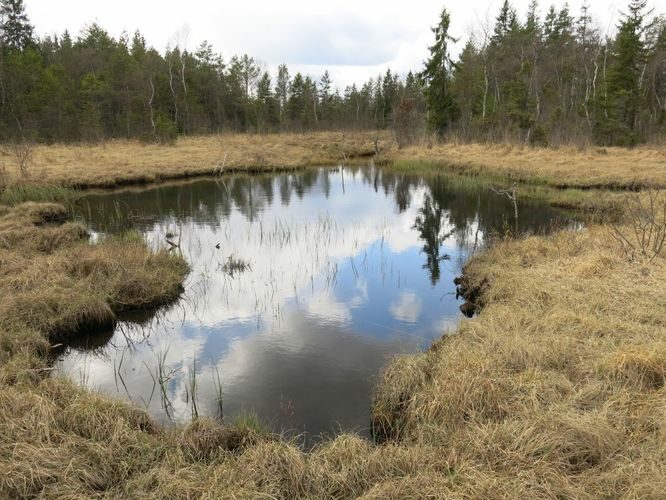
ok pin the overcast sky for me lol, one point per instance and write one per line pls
(353, 39)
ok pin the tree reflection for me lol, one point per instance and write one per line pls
(429, 225)
(471, 208)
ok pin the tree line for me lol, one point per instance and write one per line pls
(551, 79)
(536, 79)
(94, 87)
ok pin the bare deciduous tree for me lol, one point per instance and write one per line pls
(22, 150)
(645, 217)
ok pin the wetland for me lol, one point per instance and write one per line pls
(302, 288)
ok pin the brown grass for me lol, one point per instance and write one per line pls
(116, 163)
(608, 168)
(54, 282)
(119, 162)
(557, 389)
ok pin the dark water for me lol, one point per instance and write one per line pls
(347, 269)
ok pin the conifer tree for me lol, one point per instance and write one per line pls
(532, 23)
(282, 88)
(624, 78)
(325, 95)
(442, 110)
(16, 31)
(506, 23)
(296, 103)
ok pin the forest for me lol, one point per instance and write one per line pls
(536, 78)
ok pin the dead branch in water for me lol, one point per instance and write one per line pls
(513, 196)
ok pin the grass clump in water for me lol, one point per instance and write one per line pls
(235, 265)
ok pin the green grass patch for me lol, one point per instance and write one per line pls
(15, 194)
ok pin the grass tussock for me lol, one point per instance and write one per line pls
(235, 265)
(57, 283)
(555, 390)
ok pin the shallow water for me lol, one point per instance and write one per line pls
(347, 268)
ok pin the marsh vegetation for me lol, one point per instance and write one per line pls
(548, 373)
(298, 333)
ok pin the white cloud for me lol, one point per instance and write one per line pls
(354, 40)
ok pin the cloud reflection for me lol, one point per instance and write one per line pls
(337, 285)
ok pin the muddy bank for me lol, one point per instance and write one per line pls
(471, 292)
(58, 283)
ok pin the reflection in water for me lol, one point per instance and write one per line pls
(335, 287)
(429, 225)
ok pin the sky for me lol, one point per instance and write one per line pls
(353, 39)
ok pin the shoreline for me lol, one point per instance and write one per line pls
(120, 163)
(536, 387)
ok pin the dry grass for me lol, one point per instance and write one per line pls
(557, 390)
(119, 162)
(116, 163)
(608, 168)
(54, 282)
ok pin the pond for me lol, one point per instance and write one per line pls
(336, 271)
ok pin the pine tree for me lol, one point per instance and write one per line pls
(436, 76)
(16, 31)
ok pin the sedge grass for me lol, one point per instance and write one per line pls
(602, 168)
(556, 390)
(118, 163)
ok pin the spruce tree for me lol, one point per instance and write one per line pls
(507, 22)
(325, 96)
(267, 115)
(436, 76)
(532, 23)
(282, 88)
(624, 77)
(296, 104)
(15, 29)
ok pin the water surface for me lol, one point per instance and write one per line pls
(347, 268)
